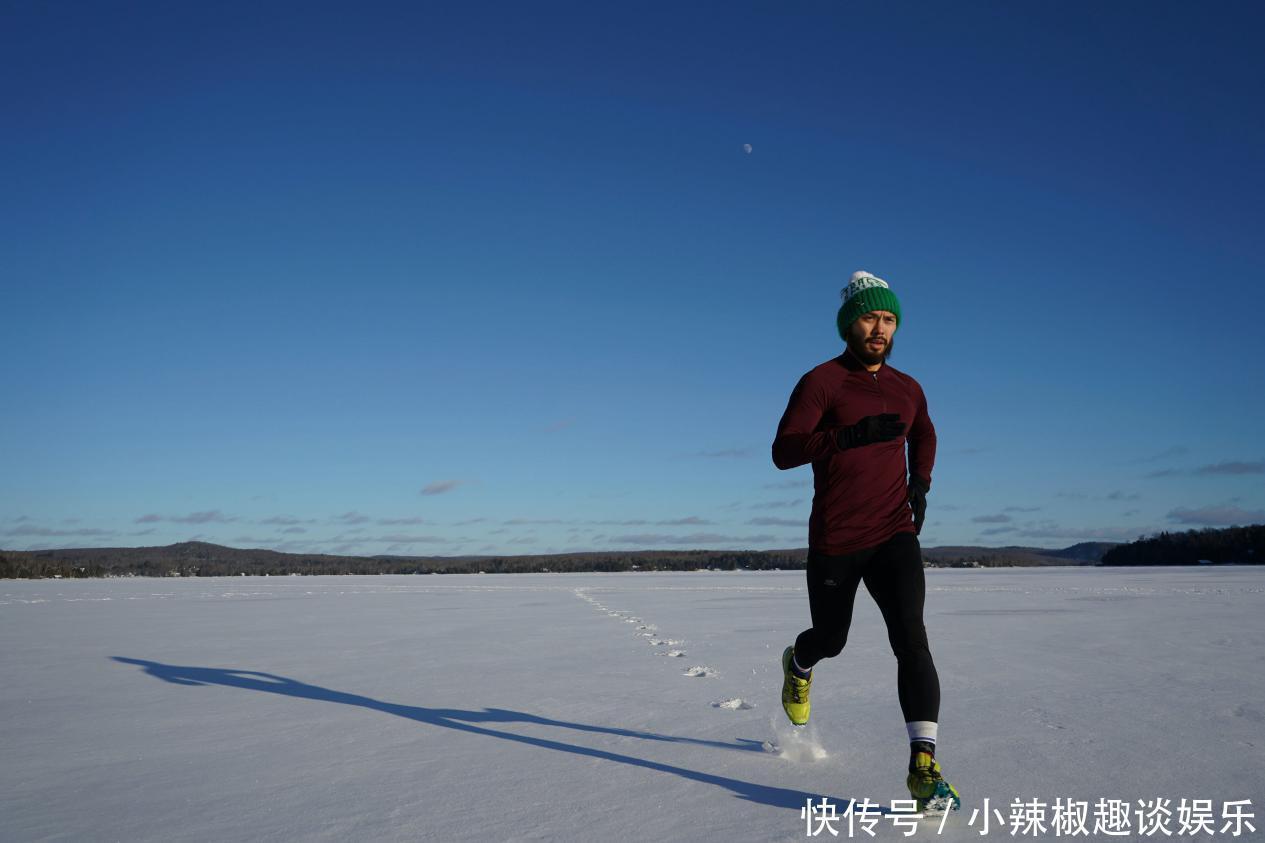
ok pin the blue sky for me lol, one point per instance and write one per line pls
(446, 279)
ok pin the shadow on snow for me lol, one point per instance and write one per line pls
(472, 722)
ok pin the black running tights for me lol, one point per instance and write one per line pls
(892, 572)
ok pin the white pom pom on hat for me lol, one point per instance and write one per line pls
(861, 280)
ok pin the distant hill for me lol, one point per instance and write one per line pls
(1085, 553)
(205, 559)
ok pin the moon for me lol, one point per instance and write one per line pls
(746, 147)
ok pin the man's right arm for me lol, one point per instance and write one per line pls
(798, 440)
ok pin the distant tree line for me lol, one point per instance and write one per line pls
(200, 559)
(1238, 545)
(19, 565)
(976, 561)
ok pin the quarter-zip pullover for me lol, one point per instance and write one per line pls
(860, 495)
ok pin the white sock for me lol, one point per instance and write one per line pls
(795, 662)
(922, 730)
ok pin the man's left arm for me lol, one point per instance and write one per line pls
(922, 454)
(922, 442)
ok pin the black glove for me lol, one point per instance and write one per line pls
(871, 429)
(918, 502)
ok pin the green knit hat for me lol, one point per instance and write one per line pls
(865, 292)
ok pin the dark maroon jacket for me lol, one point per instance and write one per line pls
(861, 495)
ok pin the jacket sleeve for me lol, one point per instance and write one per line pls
(922, 442)
(798, 440)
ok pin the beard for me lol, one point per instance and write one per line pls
(863, 353)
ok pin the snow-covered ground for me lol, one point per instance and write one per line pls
(606, 706)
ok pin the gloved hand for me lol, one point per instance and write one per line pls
(918, 502)
(871, 429)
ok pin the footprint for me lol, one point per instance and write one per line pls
(1045, 718)
(734, 704)
(675, 654)
(700, 672)
(1249, 713)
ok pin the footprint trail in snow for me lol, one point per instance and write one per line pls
(648, 631)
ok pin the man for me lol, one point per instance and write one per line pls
(851, 418)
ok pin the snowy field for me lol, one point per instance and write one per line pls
(607, 706)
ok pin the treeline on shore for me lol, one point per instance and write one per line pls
(201, 559)
(1231, 545)
(1241, 545)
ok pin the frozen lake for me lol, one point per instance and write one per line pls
(605, 706)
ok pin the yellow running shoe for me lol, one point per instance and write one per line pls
(926, 785)
(794, 690)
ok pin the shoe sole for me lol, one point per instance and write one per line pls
(943, 800)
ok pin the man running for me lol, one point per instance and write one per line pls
(851, 418)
